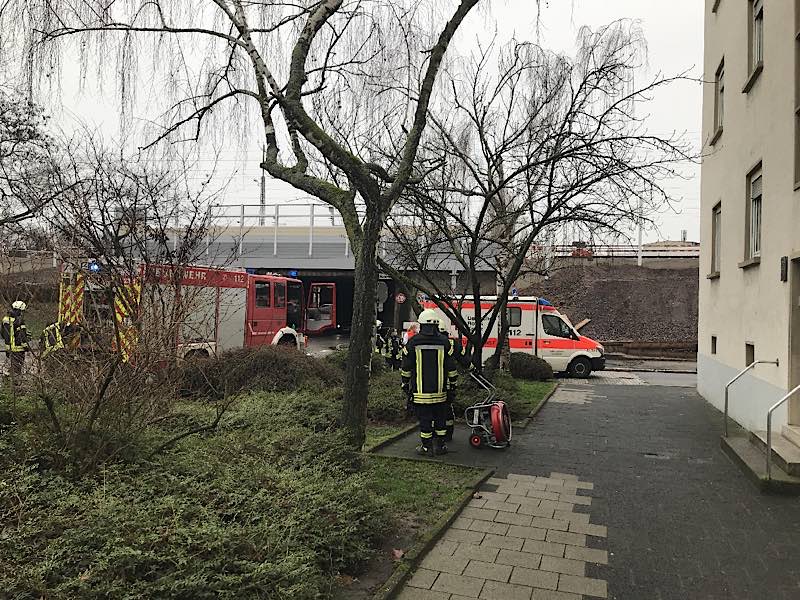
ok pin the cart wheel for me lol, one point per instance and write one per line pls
(475, 441)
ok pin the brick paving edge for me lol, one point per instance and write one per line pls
(643, 370)
(527, 420)
(413, 557)
(393, 438)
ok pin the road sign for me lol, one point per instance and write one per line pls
(400, 298)
(514, 292)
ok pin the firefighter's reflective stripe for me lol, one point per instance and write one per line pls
(126, 303)
(10, 326)
(71, 293)
(426, 435)
(52, 338)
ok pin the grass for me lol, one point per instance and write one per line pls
(380, 432)
(531, 393)
(39, 315)
(419, 489)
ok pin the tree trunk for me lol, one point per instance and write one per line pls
(503, 351)
(359, 356)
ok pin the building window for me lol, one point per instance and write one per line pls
(757, 33)
(753, 214)
(713, 344)
(719, 96)
(716, 238)
(749, 354)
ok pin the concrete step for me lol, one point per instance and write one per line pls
(785, 454)
(792, 433)
(752, 461)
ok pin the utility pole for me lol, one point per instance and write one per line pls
(263, 200)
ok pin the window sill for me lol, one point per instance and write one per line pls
(751, 81)
(750, 262)
(716, 136)
(714, 275)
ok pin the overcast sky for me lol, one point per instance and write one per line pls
(674, 33)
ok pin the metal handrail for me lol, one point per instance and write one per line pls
(735, 379)
(769, 429)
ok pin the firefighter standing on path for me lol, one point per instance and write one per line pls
(427, 371)
(15, 335)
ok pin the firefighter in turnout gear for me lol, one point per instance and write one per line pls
(428, 371)
(15, 335)
(395, 346)
(456, 350)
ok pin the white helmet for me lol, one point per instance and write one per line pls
(442, 326)
(428, 316)
(19, 305)
(378, 323)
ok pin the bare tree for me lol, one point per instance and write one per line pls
(527, 141)
(229, 53)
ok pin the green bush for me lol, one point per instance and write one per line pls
(338, 359)
(267, 368)
(270, 506)
(386, 402)
(527, 366)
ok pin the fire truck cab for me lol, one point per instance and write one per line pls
(536, 327)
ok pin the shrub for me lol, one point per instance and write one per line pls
(268, 368)
(527, 366)
(338, 359)
(386, 402)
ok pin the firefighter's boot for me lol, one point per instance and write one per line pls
(424, 450)
(441, 447)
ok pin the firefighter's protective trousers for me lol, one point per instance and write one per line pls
(428, 369)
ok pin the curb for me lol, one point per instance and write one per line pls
(412, 558)
(393, 438)
(526, 421)
(642, 370)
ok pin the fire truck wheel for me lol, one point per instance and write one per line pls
(580, 367)
(475, 441)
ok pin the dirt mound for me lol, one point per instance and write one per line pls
(626, 302)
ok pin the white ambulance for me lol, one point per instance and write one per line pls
(536, 327)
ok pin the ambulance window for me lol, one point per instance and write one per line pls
(280, 295)
(556, 327)
(262, 294)
(514, 317)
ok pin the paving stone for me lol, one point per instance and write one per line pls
(532, 533)
(553, 595)
(493, 496)
(462, 585)
(487, 527)
(563, 565)
(497, 505)
(423, 578)
(495, 590)
(584, 485)
(510, 488)
(542, 494)
(561, 488)
(501, 541)
(446, 564)
(519, 559)
(564, 476)
(523, 486)
(473, 552)
(587, 554)
(497, 481)
(583, 585)
(564, 537)
(550, 523)
(575, 499)
(463, 535)
(589, 529)
(476, 503)
(479, 513)
(461, 523)
(556, 505)
(513, 518)
(419, 594)
(447, 547)
(538, 547)
(537, 511)
(488, 570)
(520, 477)
(534, 578)
(572, 517)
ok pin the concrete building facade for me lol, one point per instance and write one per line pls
(749, 294)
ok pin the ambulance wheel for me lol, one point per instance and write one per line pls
(475, 441)
(580, 367)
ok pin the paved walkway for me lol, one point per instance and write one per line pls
(683, 522)
(520, 538)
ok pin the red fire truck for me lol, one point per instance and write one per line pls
(219, 308)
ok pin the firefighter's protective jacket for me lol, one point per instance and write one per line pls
(428, 366)
(52, 338)
(14, 332)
